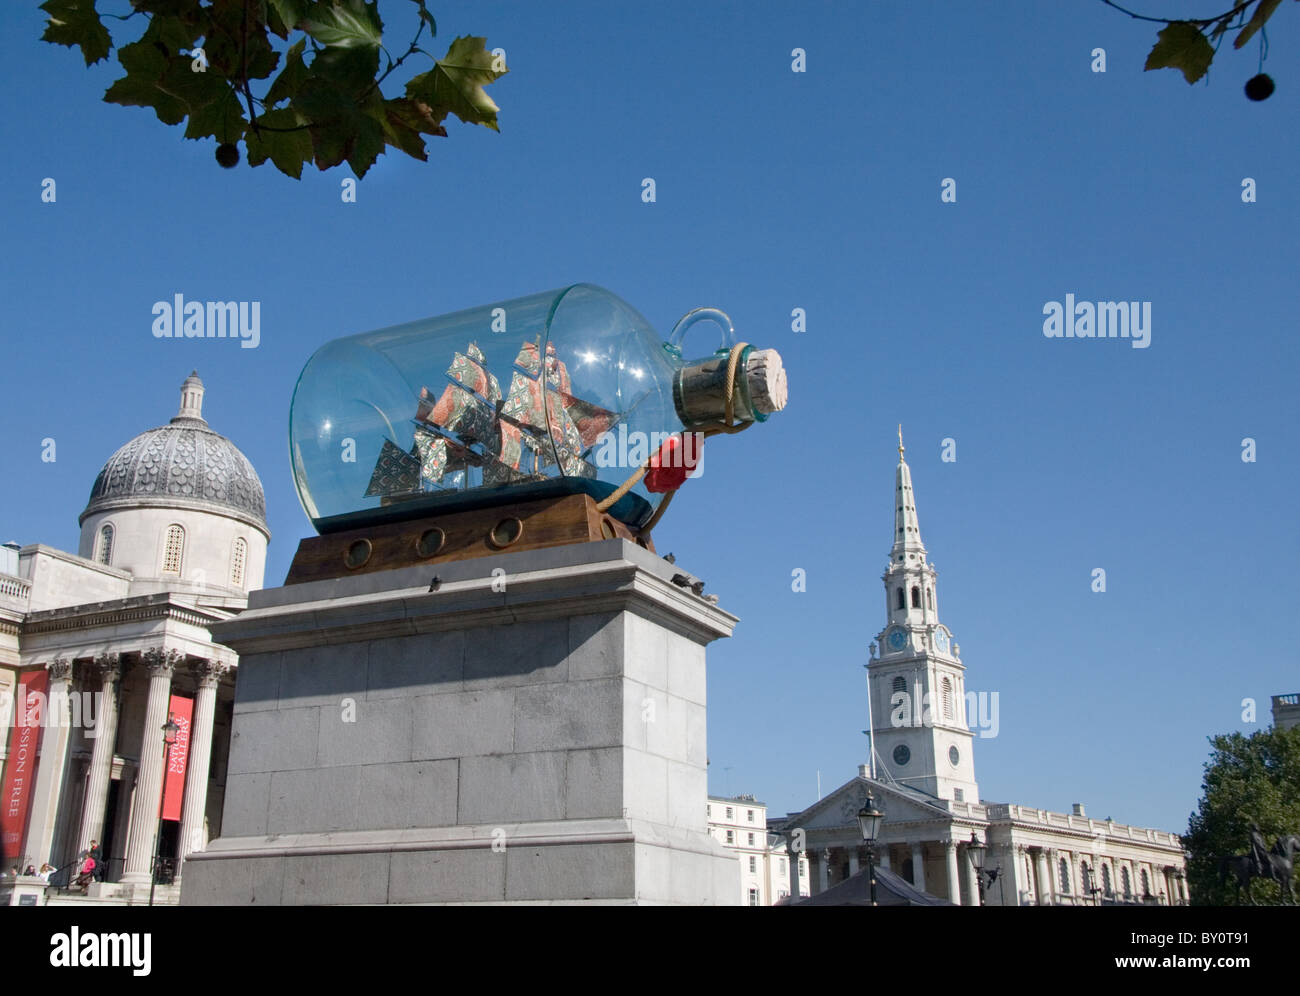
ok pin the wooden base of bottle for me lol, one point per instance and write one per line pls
(435, 539)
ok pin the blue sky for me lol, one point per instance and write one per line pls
(779, 190)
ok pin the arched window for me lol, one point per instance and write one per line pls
(900, 684)
(1065, 877)
(1105, 880)
(947, 699)
(1146, 884)
(916, 598)
(901, 604)
(929, 598)
(173, 549)
(237, 557)
(1085, 877)
(105, 555)
(1125, 883)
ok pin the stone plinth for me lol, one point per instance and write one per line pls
(531, 731)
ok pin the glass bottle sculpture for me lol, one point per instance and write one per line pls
(527, 398)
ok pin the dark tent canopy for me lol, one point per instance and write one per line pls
(891, 890)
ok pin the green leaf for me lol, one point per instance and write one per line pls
(187, 9)
(291, 12)
(345, 23)
(1182, 46)
(145, 63)
(213, 106)
(288, 149)
(164, 81)
(340, 130)
(76, 22)
(222, 45)
(351, 69)
(1262, 13)
(404, 120)
(291, 76)
(455, 83)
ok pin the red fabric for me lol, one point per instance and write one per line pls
(20, 774)
(676, 459)
(182, 711)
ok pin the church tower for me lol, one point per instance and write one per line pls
(916, 678)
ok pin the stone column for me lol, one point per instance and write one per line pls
(882, 856)
(825, 870)
(794, 875)
(208, 675)
(1018, 871)
(53, 755)
(954, 881)
(1044, 881)
(853, 862)
(109, 667)
(918, 866)
(148, 788)
(972, 880)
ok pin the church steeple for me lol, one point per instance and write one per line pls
(907, 528)
(917, 682)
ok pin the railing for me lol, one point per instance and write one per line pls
(1068, 821)
(1292, 699)
(14, 589)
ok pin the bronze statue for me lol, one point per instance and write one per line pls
(1260, 862)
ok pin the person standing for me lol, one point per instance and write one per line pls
(98, 858)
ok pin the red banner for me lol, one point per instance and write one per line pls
(182, 711)
(29, 709)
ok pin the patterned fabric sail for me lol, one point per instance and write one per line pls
(509, 438)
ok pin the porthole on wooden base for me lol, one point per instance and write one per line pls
(506, 532)
(430, 542)
(357, 553)
(607, 528)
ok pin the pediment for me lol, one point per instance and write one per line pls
(840, 807)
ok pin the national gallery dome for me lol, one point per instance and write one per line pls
(179, 503)
(181, 464)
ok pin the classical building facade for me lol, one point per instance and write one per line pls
(100, 647)
(766, 878)
(923, 779)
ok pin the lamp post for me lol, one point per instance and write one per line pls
(869, 819)
(977, 850)
(169, 730)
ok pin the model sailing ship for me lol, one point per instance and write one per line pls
(507, 440)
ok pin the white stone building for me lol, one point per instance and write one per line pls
(172, 540)
(740, 825)
(924, 779)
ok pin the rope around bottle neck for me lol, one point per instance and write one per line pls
(728, 426)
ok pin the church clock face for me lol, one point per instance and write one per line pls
(941, 641)
(896, 639)
(902, 755)
(954, 756)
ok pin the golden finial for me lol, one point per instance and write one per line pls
(900, 440)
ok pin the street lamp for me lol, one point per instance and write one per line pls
(977, 851)
(169, 731)
(869, 819)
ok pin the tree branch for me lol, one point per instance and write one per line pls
(1241, 5)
